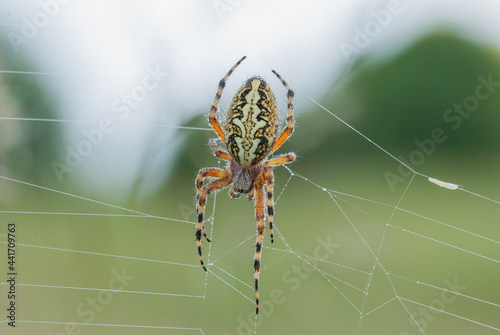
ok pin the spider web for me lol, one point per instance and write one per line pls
(350, 256)
(364, 280)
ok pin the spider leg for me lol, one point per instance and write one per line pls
(269, 176)
(218, 152)
(280, 160)
(206, 173)
(259, 215)
(289, 118)
(224, 180)
(211, 116)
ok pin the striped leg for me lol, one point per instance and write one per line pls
(289, 117)
(269, 177)
(224, 180)
(268, 174)
(211, 116)
(204, 173)
(259, 215)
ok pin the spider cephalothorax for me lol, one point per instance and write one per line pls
(243, 178)
(250, 136)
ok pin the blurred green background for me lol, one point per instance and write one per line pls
(393, 100)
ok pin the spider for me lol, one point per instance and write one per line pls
(250, 136)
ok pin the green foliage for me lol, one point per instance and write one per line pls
(402, 99)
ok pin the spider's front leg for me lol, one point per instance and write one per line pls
(259, 215)
(224, 179)
(269, 176)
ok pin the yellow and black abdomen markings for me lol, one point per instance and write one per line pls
(251, 124)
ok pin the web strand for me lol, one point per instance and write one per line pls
(91, 200)
(149, 125)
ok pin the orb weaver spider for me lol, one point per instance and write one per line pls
(250, 136)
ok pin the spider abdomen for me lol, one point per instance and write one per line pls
(251, 125)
